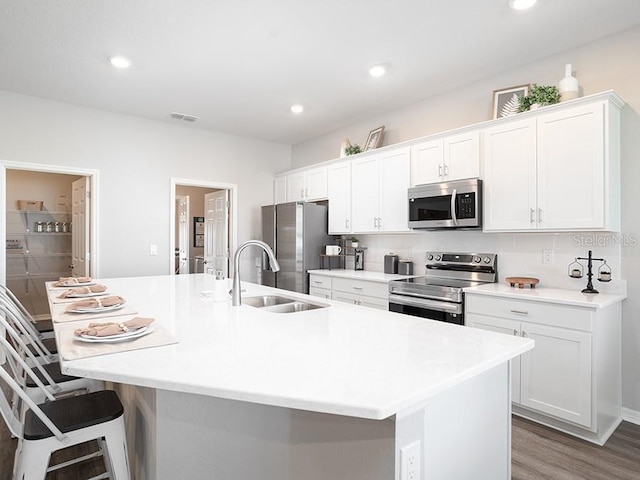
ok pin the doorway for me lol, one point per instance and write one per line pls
(49, 229)
(203, 226)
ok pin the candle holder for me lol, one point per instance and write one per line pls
(576, 270)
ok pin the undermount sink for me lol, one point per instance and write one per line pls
(278, 304)
(266, 301)
(295, 307)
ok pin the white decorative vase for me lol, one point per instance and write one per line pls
(343, 147)
(568, 86)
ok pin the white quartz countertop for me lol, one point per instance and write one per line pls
(551, 295)
(361, 275)
(343, 359)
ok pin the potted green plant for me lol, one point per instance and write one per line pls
(352, 149)
(354, 242)
(539, 96)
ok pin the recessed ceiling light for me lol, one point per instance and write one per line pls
(120, 62)
(377, 70)
(522, 4)
(297, 108)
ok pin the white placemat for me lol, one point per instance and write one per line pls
(71, 349)
(60, 315)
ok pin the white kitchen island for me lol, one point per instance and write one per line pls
(342, 392)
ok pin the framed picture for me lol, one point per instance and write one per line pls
(505, 101)
(373, 141)
(198, 231)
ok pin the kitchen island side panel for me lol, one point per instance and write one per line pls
(202, 437)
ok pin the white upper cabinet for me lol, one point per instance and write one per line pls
(509, 181)
(315, 184)
(379, 184)
(450, 158)
(556, 171)
(339, 193)
(280, 189)
(301, 186)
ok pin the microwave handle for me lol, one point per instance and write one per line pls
(453, 207)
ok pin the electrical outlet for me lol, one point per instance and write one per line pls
(547, 257)
(153, 249)
(410, 462)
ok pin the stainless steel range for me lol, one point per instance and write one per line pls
(439, 295)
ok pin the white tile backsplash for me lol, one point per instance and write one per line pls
(519, 254)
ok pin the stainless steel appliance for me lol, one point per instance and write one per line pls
(297, 233)
(446, 205)
(439, 294)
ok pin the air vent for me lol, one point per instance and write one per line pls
(184, 116)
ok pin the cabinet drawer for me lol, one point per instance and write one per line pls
(566, 316)
(361, 287)
(319, 292)
(319, 281)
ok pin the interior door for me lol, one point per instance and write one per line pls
(183, 233)
(216, 232)
(80, 210)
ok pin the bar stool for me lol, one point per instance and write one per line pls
(62, 423)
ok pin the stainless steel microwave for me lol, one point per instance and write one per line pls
(437, 206)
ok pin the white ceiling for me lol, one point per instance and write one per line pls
(240, 64)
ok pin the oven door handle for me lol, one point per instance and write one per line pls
(426, 303)
(453, 207)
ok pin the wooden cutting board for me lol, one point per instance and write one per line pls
(521, 282)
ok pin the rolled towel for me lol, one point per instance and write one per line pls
(83, 290)
(71, 281)
(96, 303)
(108, 329)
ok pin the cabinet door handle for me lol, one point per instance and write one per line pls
(357, 288)
(306, 193)
(531, 213)
(302, 193)
(439, 170)
(379, 222)
(317, 282)
(515, 332)
(346, 223)
(375, 222)
(524, 334)
(539, 215)
(520, 312)
(446, 170)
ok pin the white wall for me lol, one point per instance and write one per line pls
(136, 159)
(611, 63)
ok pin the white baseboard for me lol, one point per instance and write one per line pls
(632, 416)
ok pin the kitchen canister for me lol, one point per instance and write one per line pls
(405, 267)
(391, 263)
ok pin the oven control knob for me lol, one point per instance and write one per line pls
(487, 260)
(438, 258)
(477, 259)
(429, 257)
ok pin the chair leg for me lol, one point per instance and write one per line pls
(117, 457)
(32, 460)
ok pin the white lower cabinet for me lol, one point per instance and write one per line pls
(355, 291)
(572, 374)
(320, 286)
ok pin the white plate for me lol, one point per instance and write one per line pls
(141, 332)
(95, 310)
(117, 335)
(84, 295)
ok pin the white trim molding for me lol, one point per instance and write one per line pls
(632, 416)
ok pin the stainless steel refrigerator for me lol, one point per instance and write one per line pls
(297, 232)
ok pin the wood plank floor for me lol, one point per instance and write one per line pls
(539, 453)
